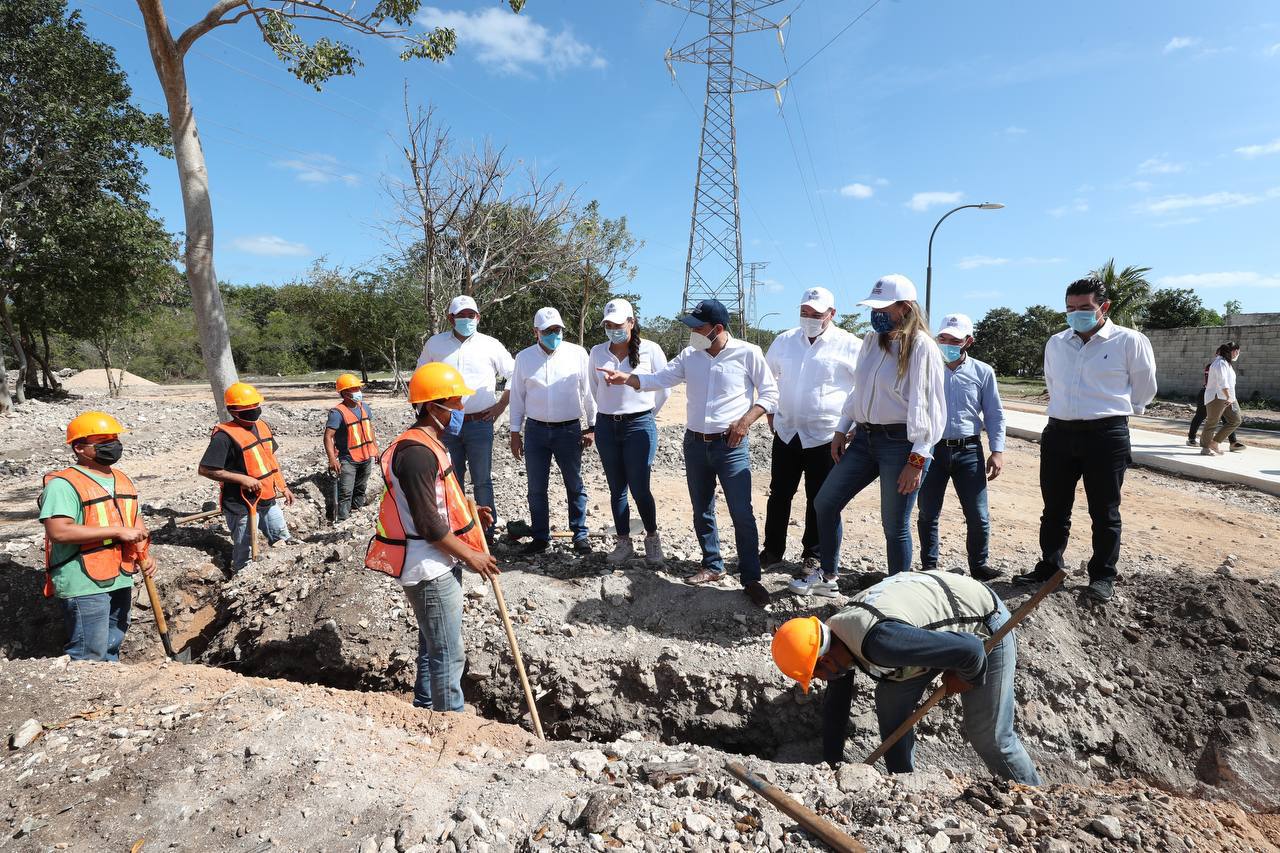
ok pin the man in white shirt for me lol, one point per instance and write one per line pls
(482, 361)
(1097, 374)
(552, 415)
(729, 387)
(813, 365)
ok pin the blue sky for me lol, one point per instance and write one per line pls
(1148, 131)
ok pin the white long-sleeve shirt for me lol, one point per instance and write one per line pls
(623, 399)
(720, 389)
(481, 360)
(1221, 375)
(1113, 373)
(814, 382)
(918, 399)
(552, 387)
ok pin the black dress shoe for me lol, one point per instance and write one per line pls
(984, 573)
(581, 547)
(1034, 576)
(537, 546)
(768, 559)
(1101, 589)
(757, 593)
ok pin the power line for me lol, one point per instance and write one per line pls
(844, 30)
(804, 186)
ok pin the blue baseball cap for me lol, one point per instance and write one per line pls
(707, 311)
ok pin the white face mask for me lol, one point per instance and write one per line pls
(812, 326)
(699, 341)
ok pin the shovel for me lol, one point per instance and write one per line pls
(253, 522)
(140, 554)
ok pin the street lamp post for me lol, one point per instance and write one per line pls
(928, 274)
(761, 320)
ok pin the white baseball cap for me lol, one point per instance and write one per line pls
(819, 299)
(462, 303)
(546, 318)
(618, 311)
(890, 289)
(956, 325)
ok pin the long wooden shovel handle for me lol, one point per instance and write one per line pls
(158, 609)
(806, 817)
(511, 634)
(941, 692)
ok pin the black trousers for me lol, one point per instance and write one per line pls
(1098, 454)
(790, 462)
(1197, 420)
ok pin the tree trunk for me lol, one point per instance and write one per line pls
(206, 299)
(6, 402)
(33, 356)
(19, 393)
(46, 362)
(364, 371)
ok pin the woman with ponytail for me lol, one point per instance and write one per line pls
(626, 427)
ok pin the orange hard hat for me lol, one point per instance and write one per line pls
(796, 647)
(346, 381)
(92, 423)
(437, 381)
(242, 394)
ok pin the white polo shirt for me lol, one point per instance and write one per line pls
(552, 387)
(623, 399)
(481, 360)
(1113, 373)
(720, 389)
(814, 381)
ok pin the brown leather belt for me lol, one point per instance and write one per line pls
(707, 437)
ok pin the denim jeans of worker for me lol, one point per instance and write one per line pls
(437, 604)
(96, 624)
(791, 461)
(471, 452)
(870, 456)
(988, 708)
(271, 527)
(353, 480)
(1099, 456)
(704, 463)
(626, 450)
(965, 468)
(564, 444)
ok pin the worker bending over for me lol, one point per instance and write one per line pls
(900, 632)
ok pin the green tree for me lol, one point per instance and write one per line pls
(1128, 290)
(313, 62)
(1178, 308)
(854, 323)
(1232, 306)
(993, 337)
(70, 140)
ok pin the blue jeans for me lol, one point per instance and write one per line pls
(626, 451)
(704, 463)
(437, 604)
(988, 707)
(869, 457)
(965, 467)
(96, 624)
(563, 442)
(271, 525)
(472, 450)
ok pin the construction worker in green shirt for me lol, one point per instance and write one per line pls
(92, 525)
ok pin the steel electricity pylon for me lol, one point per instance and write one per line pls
(713, 267)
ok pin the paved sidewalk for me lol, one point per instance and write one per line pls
(1255, 466)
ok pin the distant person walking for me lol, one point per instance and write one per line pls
(1097, 375)
(626, 429)
(1220, 401)
(1197, 420)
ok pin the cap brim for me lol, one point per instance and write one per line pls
(877, 303)
(817, 306)
(691, 321)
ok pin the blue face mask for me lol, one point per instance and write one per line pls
(617, 336)
(882, 322)
(951, 352)
(1082, 321)
(456, 418)
(465, 326)
(357, 396)
(551, 340)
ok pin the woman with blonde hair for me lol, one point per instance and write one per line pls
(895, 415)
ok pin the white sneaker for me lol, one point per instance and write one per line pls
(814, 583)
(653, 550)
(621, 552)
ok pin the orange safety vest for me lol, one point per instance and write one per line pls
(359, 431)
(259, 459)
(390, 544)
(103, 561)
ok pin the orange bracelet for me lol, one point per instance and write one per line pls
(915, 460)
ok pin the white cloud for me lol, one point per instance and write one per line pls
(857, 191)
(1274, 50)
(1014, 130)
(1078, 206)
(1174, 203)
(269, 244)
(972, 262)
(1140, 186)
(513, 43)
(773, 286)
(881, 182)
(1220, 279)
(1272, 147)
(319, 169)
(1180, 42)
(1160, 166)
(924, 201)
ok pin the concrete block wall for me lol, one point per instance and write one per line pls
(1181, 355)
